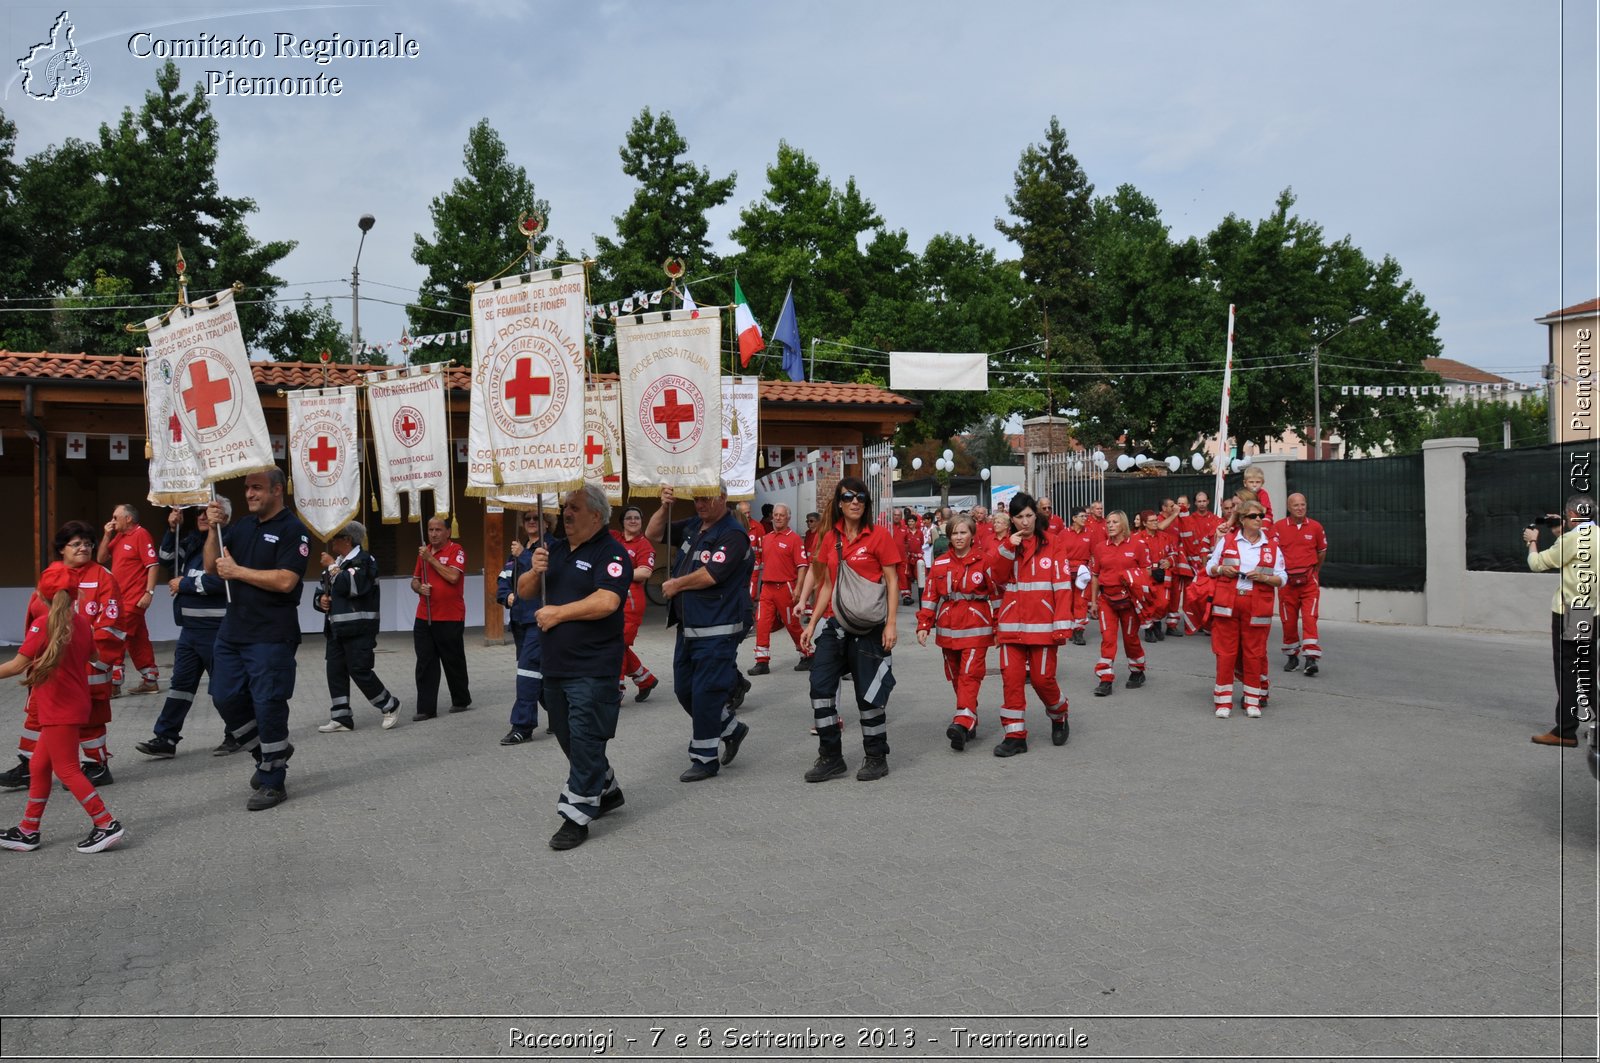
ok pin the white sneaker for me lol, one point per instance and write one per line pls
(334, 727)
(390, 719)
(1223, 714)
(1252, 712)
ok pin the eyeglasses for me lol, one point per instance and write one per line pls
(79, 544)
(1251, 516)
(851, 496)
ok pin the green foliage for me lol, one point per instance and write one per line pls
(475, 237)
(1483, 419)
(303, 332)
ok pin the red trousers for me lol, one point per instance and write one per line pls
(776, 608)
(1177, 592)
(1080, 607)
(632, 667)
(57, 754)
(1240, 644)
(1111, 622)
(137, 645)
(91, 735)
(1018, 665)
(965, 670)
(1297, 607)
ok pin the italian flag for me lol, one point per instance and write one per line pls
(744, 322)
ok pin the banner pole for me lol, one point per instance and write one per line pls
(1222, 430)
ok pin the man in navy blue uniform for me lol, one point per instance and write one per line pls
(585, 578)
(524, 632)
(708, 598)
(351, 597)
(197, 609)
(263, 558)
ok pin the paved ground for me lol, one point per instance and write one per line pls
(1386, 842)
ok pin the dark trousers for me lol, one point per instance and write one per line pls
(704, 672)
(1574, 666)
(583, 713)
(351, 657)
(530, 681)
(252, 683)
(193, 657)
(874, 679)
(439, 643)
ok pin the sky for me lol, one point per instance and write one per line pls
(1458, 137)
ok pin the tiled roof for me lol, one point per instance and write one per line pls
(126, 369)
(1590, 307)
(1461, 372)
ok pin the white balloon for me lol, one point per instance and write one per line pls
(916, 463)
(1244, 461)
(1142, 460)
(1124, 463)
(1236, 464)
(949, 455)
(894, 462)
(1198, 461)
(872, 470)
(1099, 455)
(1077, 464)
(983, 473)
(1173, 463)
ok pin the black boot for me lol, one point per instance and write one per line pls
(1058, 732)
(1010, 747)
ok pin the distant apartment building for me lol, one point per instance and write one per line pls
(1571, 370)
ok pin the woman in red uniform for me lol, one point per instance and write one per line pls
(955, 607)
(1120, 581)
(1035, 617)
(56, 655)
(643, 555)
(1246, 565)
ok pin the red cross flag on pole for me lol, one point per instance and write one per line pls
(526, 425)
(602, 438)
(741, 401)
(202, 411)
(322, 458)
(411, 436)
(672, 423)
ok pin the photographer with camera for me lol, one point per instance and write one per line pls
(1572, 613)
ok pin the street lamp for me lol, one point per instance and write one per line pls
(365, 223)
(1316, 381)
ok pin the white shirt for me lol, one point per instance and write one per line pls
(1249, 560)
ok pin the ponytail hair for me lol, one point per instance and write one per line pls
(58, 628)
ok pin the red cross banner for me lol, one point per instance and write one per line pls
(214, 392)
(411, 435)
(602, 438)
(525, 433)
(175, 478)
(671, 400)
(322, 458)
(741, 403)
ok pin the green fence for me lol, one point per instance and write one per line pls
(1372, 510)
(1506, 489)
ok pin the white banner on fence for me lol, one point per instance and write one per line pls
(915, 371)
(671, 400)
(219, 412)
(411, 435)
(741, 411)
(322, 458)
(526, 424)
(175, 478)
(602, 438)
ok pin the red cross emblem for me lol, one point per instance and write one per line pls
(323, 454)
(205, 395)
(523, 386)
(75, 446)
(118, 446)
(175, 426)
(592, 451)
(408, 424)
(671, 413)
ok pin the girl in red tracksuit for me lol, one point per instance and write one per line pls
(1035, 617)
(955, 607)
(56, 655)
(1120, 567)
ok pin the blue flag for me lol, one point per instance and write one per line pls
(787, 335)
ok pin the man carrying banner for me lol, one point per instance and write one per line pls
(263, 558)
(198, 607)
(439, 630)
(783, 556)
(128, 552)
(710, 570)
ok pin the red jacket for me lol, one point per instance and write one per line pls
(955, 601)
(1036, 606)
(98, 602)
(1123, 570)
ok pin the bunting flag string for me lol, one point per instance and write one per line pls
(1379, 391)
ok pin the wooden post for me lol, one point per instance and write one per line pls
(494, 555)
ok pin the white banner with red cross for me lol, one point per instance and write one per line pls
(671, 400)
(411, 436)
(525, 431)
(214, 392)
(175, 478)
(741, 406)
(324, 476)
(602, 438)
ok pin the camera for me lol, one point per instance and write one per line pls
(1549, 520)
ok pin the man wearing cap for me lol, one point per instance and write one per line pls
(349, 596)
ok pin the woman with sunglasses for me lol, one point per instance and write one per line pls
(853, 540)
(1247, 565)
(1035, 617)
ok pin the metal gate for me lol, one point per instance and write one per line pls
(1068, 480)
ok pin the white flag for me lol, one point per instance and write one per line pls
(174, 474)
(322, 458)
(411, 435)
(119, 448)
(217, 405)
(671, 400)
(602, 438)
(77, 445)
(526, 421)
(741, 404)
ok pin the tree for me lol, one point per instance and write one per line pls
(474, 235)
(305, 331)
(667, 217)
(1484, 419)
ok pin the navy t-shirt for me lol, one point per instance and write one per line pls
(577, 648)
(255, 615)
